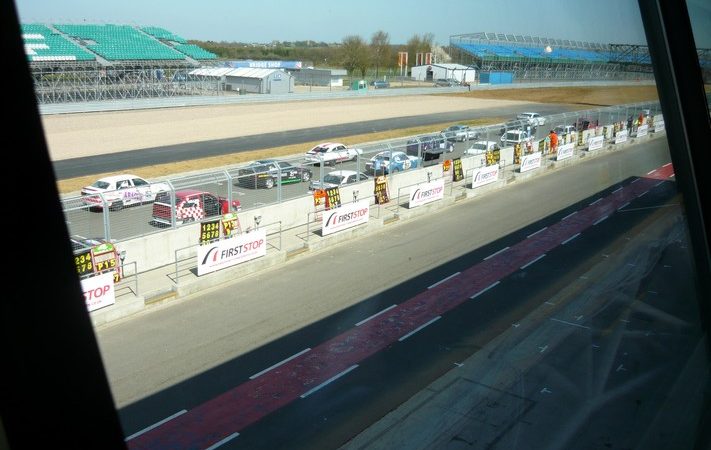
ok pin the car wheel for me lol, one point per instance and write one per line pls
(116, 206)
(305, 176)
(269, 183)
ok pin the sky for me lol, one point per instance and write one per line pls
(602, 21)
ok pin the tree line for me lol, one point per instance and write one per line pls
(353, 53)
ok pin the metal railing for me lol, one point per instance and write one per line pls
(126, 214)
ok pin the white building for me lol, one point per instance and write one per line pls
(433, 72)
(257, 81)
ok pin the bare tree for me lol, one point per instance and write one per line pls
(419, 44)
(354, 54)
(380, 49)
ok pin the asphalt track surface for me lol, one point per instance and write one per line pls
(121, 161)
(369, 358)
(311, 377)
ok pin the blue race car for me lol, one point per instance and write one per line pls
(388, 162)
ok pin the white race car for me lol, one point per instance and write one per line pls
(121, 190)
(330, 153)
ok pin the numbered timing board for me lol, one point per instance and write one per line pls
(100, 258)
(209, 231)
(84, 262)
(333, 197)
(230, 224)
(381, 190)
(458, 174)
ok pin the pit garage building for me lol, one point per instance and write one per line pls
(431, 72)
(247, 80)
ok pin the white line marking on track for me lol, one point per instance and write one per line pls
(600, 220)
(543, 349)
(624, 320)
(620, 367)
(491, 286)
(549, 303)
(376, 314)
(442, 281)
(667, 265)
(546, 391)
(653, 292)
(531, 262)
(661, 182)
(419, 328)
(624, 206)
(596, 201)
(330, 380)
(635, 180)
(651, 172)
(667, 164)
(596, 346)
(642, 194)
(671, 175)
(279, 363)
(617, 190)
(156, 425)
(224, 441)
(494, 254)
(570, 238)
(569, 215)
(535, 233)
(571, 323)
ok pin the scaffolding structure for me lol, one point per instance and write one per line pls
(541, 68)
(73, 81)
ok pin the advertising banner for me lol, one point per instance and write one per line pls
(230, 252)
(485, 175)
(621, 137)
(565, 151)
(424, 193)
(99, 291)
(346, 216)
(595, 143)
(530, 162)
(264, 64)
(658, 125)
(642, 130)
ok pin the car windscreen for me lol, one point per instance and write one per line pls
(101, 185)
(333, 179)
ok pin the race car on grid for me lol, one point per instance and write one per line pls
(266, 173)
(338, 178)
(121, 190)
(191, 205)
(388, 162)
(331, 153)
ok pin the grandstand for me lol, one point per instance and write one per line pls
(80, 62)
(532, 58)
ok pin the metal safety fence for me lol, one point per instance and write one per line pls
(124, 212)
